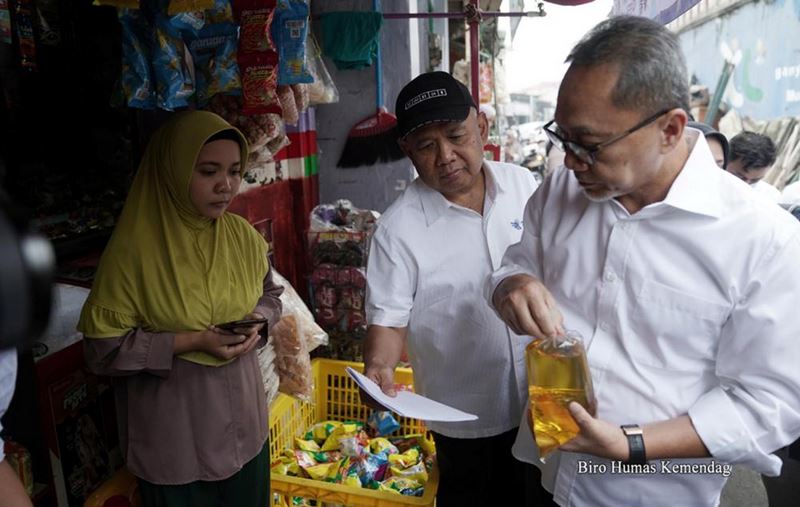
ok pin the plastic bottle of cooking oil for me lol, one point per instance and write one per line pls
(558, 373)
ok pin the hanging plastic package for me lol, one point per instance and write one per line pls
(5, 22)
(256, 17)
(24, 13)
(289, 29)
(259, 83)
(174, 82)
(221, 12)
(121, 4)
(137, 78)
(178, 6)
(323, 89)
(213, 50)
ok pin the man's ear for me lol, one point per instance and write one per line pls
(483, 127)
(672, 127)
(403, 143)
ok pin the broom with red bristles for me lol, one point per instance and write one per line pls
(373, 139)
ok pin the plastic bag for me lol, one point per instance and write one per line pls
(289, 31)
(269, 375)
(137, 76)
(292, 360)
(293, 304)
(322, 90)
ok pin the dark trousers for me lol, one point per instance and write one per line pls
(482, 472)
(249, 487)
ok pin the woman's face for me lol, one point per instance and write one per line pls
(216, 177)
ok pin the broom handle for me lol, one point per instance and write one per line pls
(376, 6)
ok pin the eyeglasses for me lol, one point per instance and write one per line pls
(588, 154)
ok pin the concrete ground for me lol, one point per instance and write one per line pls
(744, 489)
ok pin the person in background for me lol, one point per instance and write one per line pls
(791, 193)
(717, 142)
(429, 257)
(751, 157)
(693, 351)
(190, 397)
(12, 492)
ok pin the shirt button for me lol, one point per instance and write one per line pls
(604, 326)
(611, 277)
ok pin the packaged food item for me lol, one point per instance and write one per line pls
(177, 6)
(322, 90)
(558, 373)
(402, 486)
(406, 459)
(174, 82)
(137, 78)
(259, 73)
(301, 98)
(24, 12)
(120, 4)
(288, 105)
(292, 359)
(255, 23)
(213, 51)
(221, 12)
(19, 458)
(382, 422)
(306, 445)
(289, 31)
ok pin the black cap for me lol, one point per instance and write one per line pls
(429, 98)
(709, 131)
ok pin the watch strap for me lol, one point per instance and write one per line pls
(636, 452)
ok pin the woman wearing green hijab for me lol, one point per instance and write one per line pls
(190, 400)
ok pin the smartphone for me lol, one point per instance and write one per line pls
(236, 324)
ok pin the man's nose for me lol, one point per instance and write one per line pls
(573, 163)
(444, 153)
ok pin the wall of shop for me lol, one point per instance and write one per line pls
(404, 44)
(766, 81)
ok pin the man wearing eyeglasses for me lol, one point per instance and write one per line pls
(691, 325)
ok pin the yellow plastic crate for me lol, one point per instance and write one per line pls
(336, 398)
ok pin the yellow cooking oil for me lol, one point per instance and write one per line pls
(558, 373)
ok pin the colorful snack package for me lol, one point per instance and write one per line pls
(174, 83)
(213, 50)
(177, 6)
(289, 30)
(321, 431)
(306, 445)
(136, 78)
(24, 19)
(255, 20)
(221, 12)
(285, 465)
(406, 459)
(351, 446)
(259, 73)
(327, 457)
(304, 459)
(402, 486)
(372, 469)
(416, 472)
(382, 422)
(349, 473)
(381, 445)
(324, 471)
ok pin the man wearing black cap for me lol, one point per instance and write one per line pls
(430, 255)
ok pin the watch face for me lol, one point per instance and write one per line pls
(631, 429)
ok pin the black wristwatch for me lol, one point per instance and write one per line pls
(636, 452)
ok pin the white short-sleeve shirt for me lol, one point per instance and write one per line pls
(428, 263)
(688, 306)
(8, 375)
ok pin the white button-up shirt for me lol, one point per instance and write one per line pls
(428, 262)
(689, 306)
(8, 375)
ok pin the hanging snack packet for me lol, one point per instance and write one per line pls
(120, 4)
(222, 12)
(289, 31)
(255, 21)
(174, 83)
(137, 78)
(177, 6)
(24, 16)
(213, 50)
(259, 83)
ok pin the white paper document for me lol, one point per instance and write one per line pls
(409, 404)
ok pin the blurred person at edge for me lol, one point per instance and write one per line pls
(429, 258)
(717, 142)
(751, 157)
(692, 348)
(190, 399)
(12, 492)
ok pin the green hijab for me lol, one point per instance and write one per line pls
(167, 268)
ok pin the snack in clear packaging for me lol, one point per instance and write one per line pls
(292, 359)
(288, 105)
(558, 373)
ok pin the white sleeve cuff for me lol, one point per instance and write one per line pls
(378, 317)
(719, 425)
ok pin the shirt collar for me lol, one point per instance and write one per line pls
(695, 188)
(434, 204)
